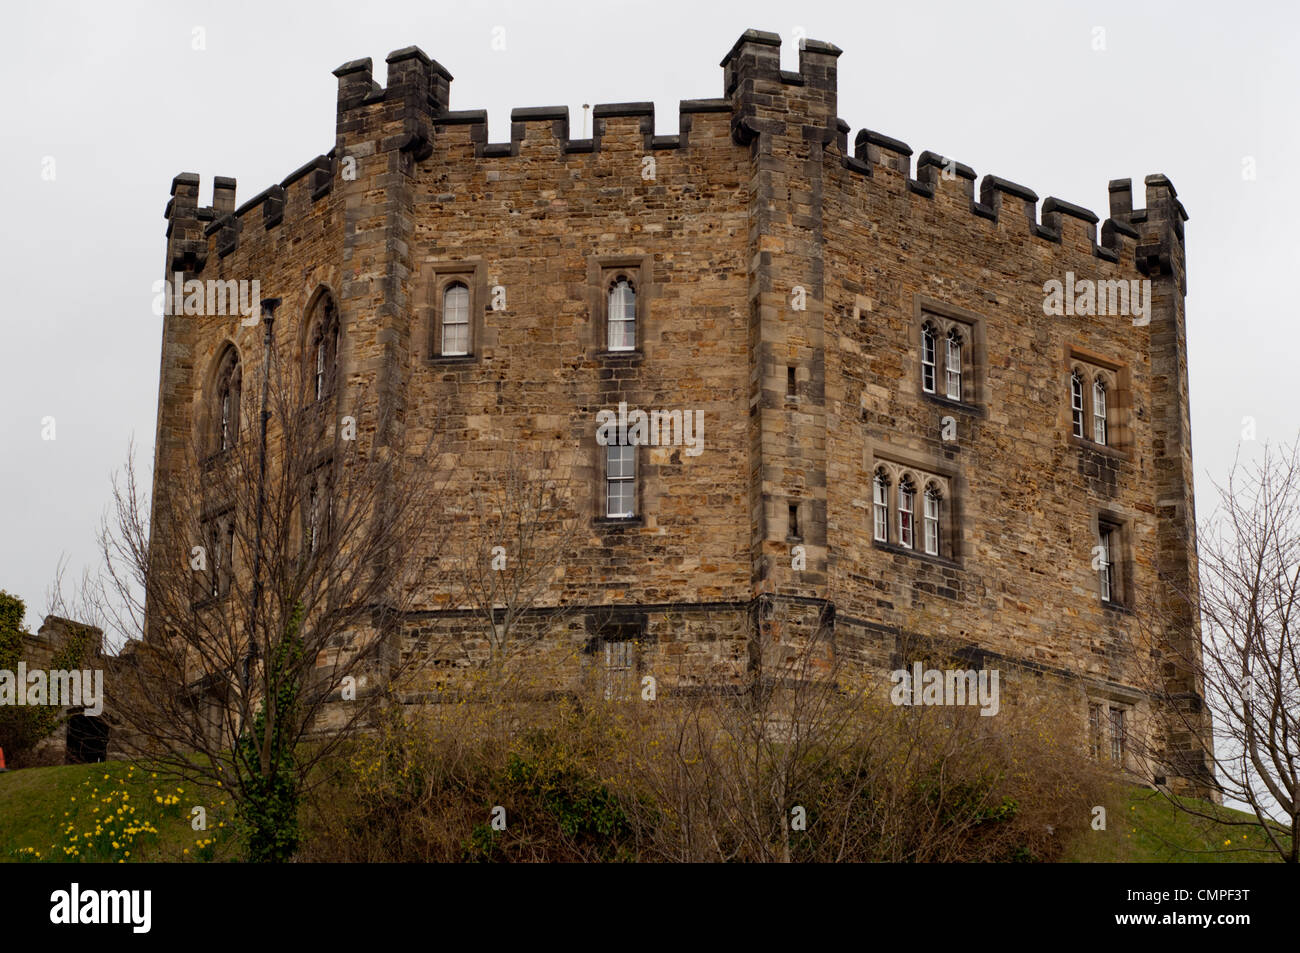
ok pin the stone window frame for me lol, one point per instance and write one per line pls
(971, 326)
(601, 515)
(925, 471)
(614, 627)
(1117, 379)
(794, 521)
(602, 273)
(438, 276)
(217, 523)
(1100, 742)
(1121, 526)
(319, 477)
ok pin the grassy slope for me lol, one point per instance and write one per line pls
(33, 803)
(37, 805)
(1150, 829)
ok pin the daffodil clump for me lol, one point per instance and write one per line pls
(108, 826)
(111, 818)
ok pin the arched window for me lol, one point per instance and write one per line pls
(455, 320)
(1099, 411)
(906, 511)
(880, 506)
(1076, 403)
(932, 503)
(927, 359)
(323, 348)
(622, 315)
(952, 365)
(225, 423)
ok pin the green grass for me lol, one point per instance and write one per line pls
(1146, 828)
(42, 808)
(112, 812)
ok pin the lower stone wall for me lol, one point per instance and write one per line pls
(730, 647)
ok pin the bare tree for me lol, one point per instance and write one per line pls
(811, 759)
(514, 530)
(1249, 666)
(266, 589)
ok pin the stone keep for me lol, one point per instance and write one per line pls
(783, 280)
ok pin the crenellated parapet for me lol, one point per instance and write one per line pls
(410, 115)
(997, 198)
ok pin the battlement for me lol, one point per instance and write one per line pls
(997, 195)
(411, 117)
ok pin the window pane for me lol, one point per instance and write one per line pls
(455, 305)
(1099, 412)
(622, 335)
(1106, 538)
(225, 420)
(455, 339)
(906, 497)
(622, 302)
(622, 317)
(927, 360)
(620, 461)
(618, 670)
(619, 499)
(1076, 404)
(931, 523)
(455, 320)
(952, 369)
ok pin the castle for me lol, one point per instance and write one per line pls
(896, 433)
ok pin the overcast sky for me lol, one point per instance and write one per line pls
(120, 99)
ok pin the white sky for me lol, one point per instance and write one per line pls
(121, 100)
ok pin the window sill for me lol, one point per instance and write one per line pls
(1106, 450)
(915, 554)
(441, 360)
(621, 357)
(1118, 607)
(961, 406)
(617, 522)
